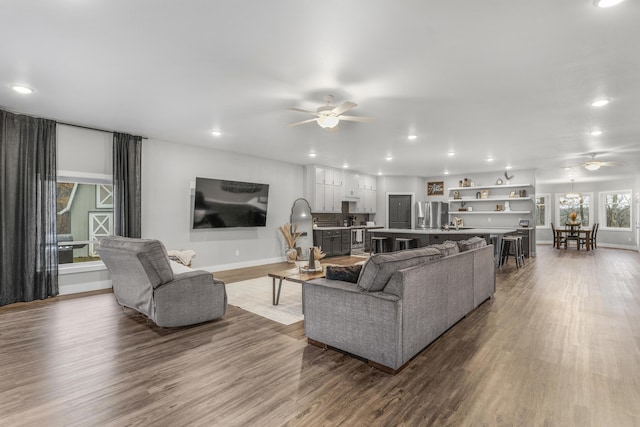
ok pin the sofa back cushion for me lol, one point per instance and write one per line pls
(472, 243)
(447, 248)
(378, 269)
(123, 254)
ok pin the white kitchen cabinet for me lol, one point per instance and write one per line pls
(351, 191)
(323, 189)
(369, 201)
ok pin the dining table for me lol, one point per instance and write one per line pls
(572, 229)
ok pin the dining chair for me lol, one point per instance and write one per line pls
(562, 239)
(592, 237)
(572, 235)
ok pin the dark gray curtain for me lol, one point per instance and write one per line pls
(127, 177)
(29, 256)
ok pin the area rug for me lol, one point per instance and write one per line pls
(255, 296)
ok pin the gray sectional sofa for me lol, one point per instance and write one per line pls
(401, 303)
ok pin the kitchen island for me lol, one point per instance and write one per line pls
(431, 236)
(334, 241)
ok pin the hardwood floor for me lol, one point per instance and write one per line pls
(559, 345)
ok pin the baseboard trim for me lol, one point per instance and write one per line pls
(84, 287)
(243, 264)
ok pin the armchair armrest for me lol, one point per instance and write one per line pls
(190, 298)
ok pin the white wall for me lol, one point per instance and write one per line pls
(168, 171)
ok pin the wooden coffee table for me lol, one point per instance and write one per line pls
(292, 275)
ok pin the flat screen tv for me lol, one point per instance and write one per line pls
(220, 203)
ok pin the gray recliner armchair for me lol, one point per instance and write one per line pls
(144, 281)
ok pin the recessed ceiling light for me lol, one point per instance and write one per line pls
(216, 133)
(451, 153)
(346, 165)
(446, 172)
(509, 168)
(489, 159)
(607, 3)
(595, 132)
(25, 90)
(388, 158)
(312, 154)
(600, 102)
(412, 137)
(379, 173)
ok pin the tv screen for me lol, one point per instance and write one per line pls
(220, 203)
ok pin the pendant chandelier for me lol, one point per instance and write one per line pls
(572, 194)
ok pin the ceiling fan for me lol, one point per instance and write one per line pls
(328, 116)
(593, 164)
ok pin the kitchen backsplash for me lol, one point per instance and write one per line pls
(335, 219)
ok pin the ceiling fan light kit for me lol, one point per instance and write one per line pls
(328, 117)
(592, 166)
(327, 122)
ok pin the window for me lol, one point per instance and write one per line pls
(84, 214)
(615, 210)
(542, 210)
(580, 205)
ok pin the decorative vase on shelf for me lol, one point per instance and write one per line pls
(291, 254)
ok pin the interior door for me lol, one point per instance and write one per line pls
(400, 211)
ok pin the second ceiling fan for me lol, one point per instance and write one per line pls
(328, 116)
(592, 164)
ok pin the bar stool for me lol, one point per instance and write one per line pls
(378, 244)
(404, 243)
(512, 246)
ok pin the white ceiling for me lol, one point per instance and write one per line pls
(501, 78)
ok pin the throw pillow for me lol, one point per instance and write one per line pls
(346, 274)
(472, 243)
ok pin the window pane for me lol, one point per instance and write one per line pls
(85, 213)
(580, 205)
(541, 209)
(618, 210)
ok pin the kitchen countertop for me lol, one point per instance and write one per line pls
(349, 228)
(439, 231)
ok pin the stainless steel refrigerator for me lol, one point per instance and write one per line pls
(436, 214)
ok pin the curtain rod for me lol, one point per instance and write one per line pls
(91, 128)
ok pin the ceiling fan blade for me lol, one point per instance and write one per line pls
(611, 164)
(573, 166)
(357, 119)
(344, 107)
(315, 113)
(302, 122)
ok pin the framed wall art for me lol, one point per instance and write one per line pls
(435, 188)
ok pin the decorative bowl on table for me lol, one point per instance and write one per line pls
(305, 269)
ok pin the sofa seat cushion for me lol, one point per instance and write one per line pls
(447, 248)
(472, 243)
(378, 269)
(349, 273)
